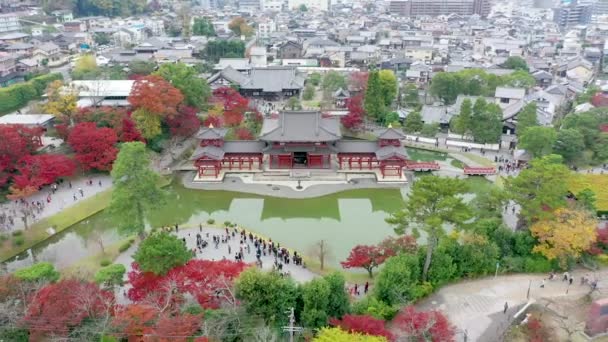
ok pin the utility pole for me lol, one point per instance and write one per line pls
(291, 328)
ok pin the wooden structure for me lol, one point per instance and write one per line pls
(479, 171)
(422, 166)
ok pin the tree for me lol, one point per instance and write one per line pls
(315, 79)
(233, 104)
(240, 27)
(111, 275)
(398, 281)
(203, 27)
(374, 99)
(16, 143)
(217, 49)
(128, 131)
(519, 79)
(42, 271)
(388, 86)
(411, 96)
(354, 119)
(195, 90)
(540, 188)
(486, 125)
(358, 81)
(61, 102)
(339, 303)
(147, 123)
(515, 62)
(155, 95)
(463, 123)
(423, 325)
(446, 86)
(413, 122)
(526, 118)
(160, 252)
(136, 189)
(143, 68)
(268, 295)
(538, 140)
(56, 308)
(178, 328)
(429, 130)
(433, 201)
(303, 8)
(185, 123)
(309, 92)
(94, 146)
(315, 297)
(101, 38)
(333, 81)
(569, 143)
(566, 235)
(293, 103)
(85, 68)
(134, 320)
(366, 257)
(36, 171)
(339, 335)
(362, 324)
(586, 200)
(320, 250)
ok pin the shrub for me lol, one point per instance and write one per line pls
(17, 233)
(3, 237)
(537, 264)
(18, 241)
(210, 221)
(125, 246)
(104, 262)
(227, 224)
(376, 308)
(18, 95)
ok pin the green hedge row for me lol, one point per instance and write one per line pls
(18, 95)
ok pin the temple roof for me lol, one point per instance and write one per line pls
(301, 126)
(356, 146)
(243, 146)
(211, 133)
(211, 152)
(391, 134)
(388, 152)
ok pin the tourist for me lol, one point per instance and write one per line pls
(566, 276)
(542, 284)
(570, 280)
(176, 228)
(506, 307)
(229, 250)
(366, 288)
(356, 289)
(81, 192)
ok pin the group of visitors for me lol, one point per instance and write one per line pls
(354, 291)
(20, 209)
(566, 277)
(505, 165)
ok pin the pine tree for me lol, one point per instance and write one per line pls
(374, 99)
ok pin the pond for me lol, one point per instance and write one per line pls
(344, 220)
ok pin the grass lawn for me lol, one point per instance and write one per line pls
(457, 163)
(597, 183)
(478, 159)
(60, 221)
(424, 154)
(478, 184)
(87, 267)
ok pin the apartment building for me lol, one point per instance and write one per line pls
(9, 23)
(416, 8)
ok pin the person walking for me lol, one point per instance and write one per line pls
(506, 307)
(542, 284)
(366, 288)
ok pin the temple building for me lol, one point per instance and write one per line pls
(299, 140)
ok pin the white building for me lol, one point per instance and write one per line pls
(321, 5)
(9, 23)
(265, 28)
(272, 5)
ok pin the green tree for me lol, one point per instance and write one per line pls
(526, 118)
(333, 81)
(42, 271)
(429, 130)
(447, 86)
(203, 27)
(569, 144)
(541, 188)
(266, 294)
(538, 140)
(196, 91)
(374, 100)
(388, 86)
(160, 252)
(143, 68)
(432, 202)
(111, 275)
(220, 48)
(486, 125)
(339, 304)
(303, 8)
(147, 123)
(586, 199)
(413, 122)
(411, 96)
(315, 78)
(462, 123)
(101, 38)
(293, 103)
(515, 62)
(309, 92)
(135, 191)
(315, 296)
(398, 282)
(519, 79)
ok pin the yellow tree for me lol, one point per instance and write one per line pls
(61, 100)
(339, 335)
(85, 63)
(147, 123)
(566, 235)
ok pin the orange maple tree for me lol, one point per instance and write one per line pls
(155, 95)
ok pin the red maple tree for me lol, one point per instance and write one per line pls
(56, 308)
(213, 120)
(38, 170)
(128, 131)
(156, 95)
(242, 133)
(104, 116)
(184, 123)
(94, 147)
(13, 146)
(354, 119)
(358, 81)
(233, 103)
(364, 324)
(135, 320)
(178, 328)
(208, 281)
(423, 325)
(369, 257)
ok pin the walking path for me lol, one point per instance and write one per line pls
(64, 197)
(477, 306)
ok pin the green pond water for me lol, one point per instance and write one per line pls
(344, 220)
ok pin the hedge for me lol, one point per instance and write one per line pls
(17, 96)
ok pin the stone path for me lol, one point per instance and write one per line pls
(62, 199)
(477, 306)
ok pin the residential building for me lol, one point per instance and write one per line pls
(272, 5)
(50, 53)
(266, 27)
(321, 5)
(600, 7)
(572, 14)
(289, 50)
(249, 5)
(9, 23)
(416, 8)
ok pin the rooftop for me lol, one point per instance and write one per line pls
(301, 126)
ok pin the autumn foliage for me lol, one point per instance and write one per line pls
(369, 257)
(354, 119)
(94, 147)
(423, 325)
(16, 142)
(184, 123)
(58, 307)
(43, 169)
(364, 324)
(209, 282)
(234, 105)
(155, 95)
